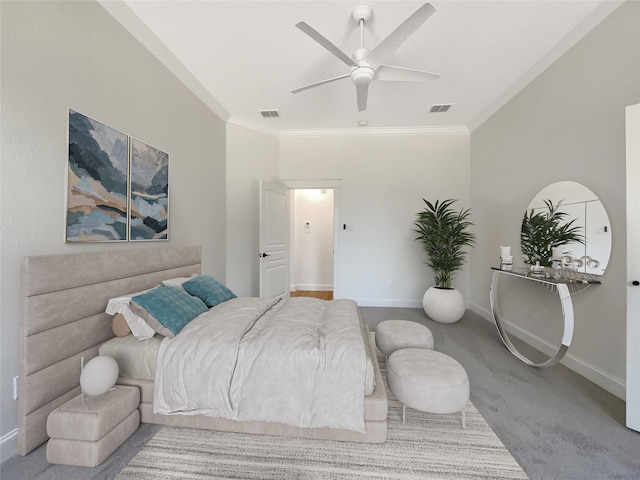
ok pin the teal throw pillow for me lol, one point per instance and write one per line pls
(208, 289)
(167, 309)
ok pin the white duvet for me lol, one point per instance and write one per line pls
(299, 361)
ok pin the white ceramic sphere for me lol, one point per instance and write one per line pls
(99, 375)
(443, 305)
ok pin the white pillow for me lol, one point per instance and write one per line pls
(176, 282)
(139, 327)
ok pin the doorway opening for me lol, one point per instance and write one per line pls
(312, 243)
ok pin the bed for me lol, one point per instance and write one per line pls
(64, 320)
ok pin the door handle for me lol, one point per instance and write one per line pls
(635, 283)
(262, 255)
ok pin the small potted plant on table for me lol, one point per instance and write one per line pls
(541, 232)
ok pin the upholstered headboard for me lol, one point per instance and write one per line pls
(63, 319)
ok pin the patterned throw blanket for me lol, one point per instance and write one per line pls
(299, 361)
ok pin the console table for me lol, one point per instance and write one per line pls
(564, 282)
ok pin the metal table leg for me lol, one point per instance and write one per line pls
(567, 316)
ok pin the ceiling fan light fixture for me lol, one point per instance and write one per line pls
(362, 75)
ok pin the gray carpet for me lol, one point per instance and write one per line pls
(556, 424)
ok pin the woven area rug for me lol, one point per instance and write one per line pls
(426, 447)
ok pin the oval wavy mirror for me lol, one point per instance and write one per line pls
(568, 216)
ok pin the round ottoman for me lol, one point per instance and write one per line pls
(428, 381)
(392, 335)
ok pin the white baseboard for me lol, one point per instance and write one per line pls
(610, 383)
(9, 445)
(312, 287)
(388, 302)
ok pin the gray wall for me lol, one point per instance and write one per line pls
(568, 124)
(251, 156)
(383, 179)
(312, 233)
(69, 54)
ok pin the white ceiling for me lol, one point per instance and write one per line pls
(241, 57)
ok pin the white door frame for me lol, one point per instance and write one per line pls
(334, 184)
(633, 266)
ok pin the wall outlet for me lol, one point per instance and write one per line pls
(15, 388)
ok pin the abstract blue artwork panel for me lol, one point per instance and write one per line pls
(149, 200)
(97, 181)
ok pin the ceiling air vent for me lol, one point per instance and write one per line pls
(270, 113)
(440, 108)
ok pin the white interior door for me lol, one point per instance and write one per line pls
(633, 266)
(274, 240)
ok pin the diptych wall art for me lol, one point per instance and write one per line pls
(118, 186)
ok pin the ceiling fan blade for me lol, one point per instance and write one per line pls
(389, 45)
(361, 91)
(322, 40)
(321, 82)
(391, 73)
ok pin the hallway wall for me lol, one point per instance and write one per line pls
(312, 227)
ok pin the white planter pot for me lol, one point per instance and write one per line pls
(444, 305)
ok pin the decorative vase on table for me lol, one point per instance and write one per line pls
(444, 236)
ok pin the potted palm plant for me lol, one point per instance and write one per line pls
(444, 235)
(542, 231)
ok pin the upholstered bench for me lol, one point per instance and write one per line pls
(85, 433)
(428, 381)
(392, 335)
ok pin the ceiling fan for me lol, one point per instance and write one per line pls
(367, 65)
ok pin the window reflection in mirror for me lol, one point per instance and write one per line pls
(581, 204)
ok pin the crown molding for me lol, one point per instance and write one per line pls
(241, 122)
(605, 9)
(360, 131)
(378, 131)
(130, 21)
